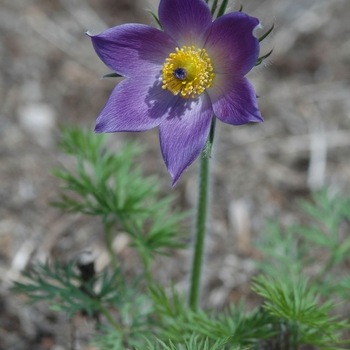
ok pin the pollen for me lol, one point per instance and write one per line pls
(187, 72)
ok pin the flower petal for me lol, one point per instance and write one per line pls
(133, 49)
(136, 104)
(185, 21)
(231, 44)
(235, 103)
(184, 133)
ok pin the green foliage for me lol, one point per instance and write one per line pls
(178, 322)
(222, 8)
(111, 185)
(192, 344)
(328, 212)
(290, 291)
(142, 315)
(64, 289)
(135, 325)
(326, 231)
(285, 256)
(61, 286)
(308, 320)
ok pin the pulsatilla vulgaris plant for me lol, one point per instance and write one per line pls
(180, 77)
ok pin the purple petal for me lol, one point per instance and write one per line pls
(133, 49)
(231, 44)
(185, 21)
(136, 104)
(236, 103)
(184, 133)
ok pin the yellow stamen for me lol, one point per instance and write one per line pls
(187, 72)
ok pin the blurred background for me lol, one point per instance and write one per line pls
(50, 77)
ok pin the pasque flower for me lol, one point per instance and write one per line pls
(180, 77)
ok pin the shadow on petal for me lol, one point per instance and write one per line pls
(177, 106)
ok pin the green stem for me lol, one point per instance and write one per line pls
(214, 6)
(110, 318)
(293, 336)
(201, 221)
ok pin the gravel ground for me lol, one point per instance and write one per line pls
(50, 76)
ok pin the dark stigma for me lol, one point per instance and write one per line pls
(180, 73)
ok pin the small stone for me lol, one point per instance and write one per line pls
(39, 120)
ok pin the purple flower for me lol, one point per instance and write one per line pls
(178, 78)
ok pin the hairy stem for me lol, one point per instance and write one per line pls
(201, 220)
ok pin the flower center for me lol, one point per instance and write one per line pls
(187, 72)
